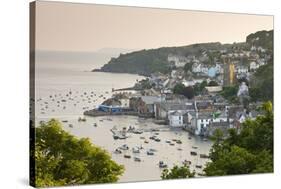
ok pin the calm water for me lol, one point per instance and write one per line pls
(64, 90)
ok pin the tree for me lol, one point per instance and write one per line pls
(177, 172)
(188, 92)
(230, 93)
(198, 88)
(62, 159)
(213, 83)
(187, 67)
(235, 160)
(179, 88)
(250, 151)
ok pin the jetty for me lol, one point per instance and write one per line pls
(96, 113)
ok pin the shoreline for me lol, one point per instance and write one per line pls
(96, 113)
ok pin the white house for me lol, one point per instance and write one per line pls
(253, 66)
(196, 68)
(241, 69)
(188, 83)
(202, 122)
(175, 118)
(253, 48)
(261, 49)
(125, 102)
(179, 61)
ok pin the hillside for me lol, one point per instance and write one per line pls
(145, 62)
(261, 38)
(261, 86)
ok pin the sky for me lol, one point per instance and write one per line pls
(89, 27)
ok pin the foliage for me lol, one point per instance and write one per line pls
(213, 83)
(198, 88)
(179, 88)
(230, 93)
(146, 62)
(177, 172)
(62, 159)
(261, 87)
(188, 92)
(187, 67)
(261, 38)
(247, 151)
(143, 84)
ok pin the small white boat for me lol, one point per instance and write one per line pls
(136, 150)
(82, 119)
(162, 164)
(150, 152)
(124, 147)
(137, 159)
(118, 151)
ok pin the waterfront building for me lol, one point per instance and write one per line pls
(176, 118)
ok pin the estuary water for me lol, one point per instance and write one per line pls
(65, 89)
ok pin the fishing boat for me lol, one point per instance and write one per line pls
(122, 137)
(186, 162)
(179, 142)
(118, 151)
(157, 139)
(162, 164)
(124, 147)
(136, 150)
(193, 153)
(150, 153)
(127, 156)
(115, 137)
(137, 131)
(204, 156)
(137, 159)
(155, 130)
(82, 119)
(152, 150)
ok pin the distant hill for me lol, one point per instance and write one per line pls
(261, 38)
(144, 62)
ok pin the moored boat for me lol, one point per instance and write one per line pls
(193, 153)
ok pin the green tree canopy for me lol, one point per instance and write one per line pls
(188, 92)
(177, 172)
(213, 83)
(62, 159)
(179, 88)
(187, 67)
(247, 151)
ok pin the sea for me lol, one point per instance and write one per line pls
(65, 87)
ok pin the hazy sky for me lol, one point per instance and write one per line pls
(88, 27)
